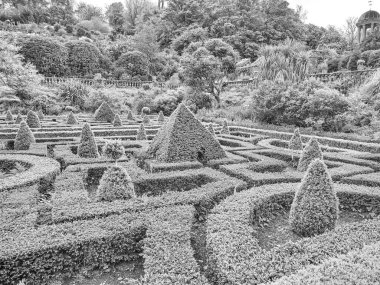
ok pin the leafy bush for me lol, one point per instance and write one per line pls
(83, 58)
(48, 55)
(113, 150)
(133, 63)
(87, 147)
(311, 151)
(115, 184)
(32, 120)
(73, 92)
(24, 137)
(104, 113)
(315, 206)
(165, 104)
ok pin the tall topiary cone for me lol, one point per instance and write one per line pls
(9, 116)
(117, 121)
(311, 151)
(315, 206)
(115, 184)
(141, 134)
(211, 129)
(32, 120)
(295, 142)
(146, 119)
(24, 137)
(40, 114)
(130, 116)
(71, 119)
(183, 138)
(225, 129)
(161, 117)
(87, 147)
(104, 113)
(19, 119)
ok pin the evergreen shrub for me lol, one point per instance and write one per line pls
(87, 147)
(24, 137)
(32, 120)
(311, 151)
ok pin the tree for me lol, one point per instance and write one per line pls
(115, 15)
(350, 32)
(87, 11)
(135, 9)
(133, 63)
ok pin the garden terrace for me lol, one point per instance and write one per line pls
(191, 222)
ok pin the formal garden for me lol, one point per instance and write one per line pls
(189, 143)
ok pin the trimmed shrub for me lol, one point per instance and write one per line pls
(295, 142)
(71, 119)
(87, 147)
(32, 120)
(315, 206)
(48, 55)
(311, 151)
(40, 114)
(113, 150)
(19, 119)
(9, 116)
(184, 138)
(145, 119)
(161, 117)
(24, 137)
(225, 129)
(145, 111)
(130, 116)
(141, 134)
(115, 184)
(104, 113)
(211, 129)
(117, 121)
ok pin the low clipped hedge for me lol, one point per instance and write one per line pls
(41, 167)
(235, 256)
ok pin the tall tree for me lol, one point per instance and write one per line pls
(350, 32)
(87, 11)
(135, 9)
(115, 15)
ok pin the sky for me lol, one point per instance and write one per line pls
(319, 12)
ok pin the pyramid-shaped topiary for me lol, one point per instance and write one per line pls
(32, 120)
(71, 119)
(24, 137)
(311, 151)
(161, 117)
(295, 142)
(315, 206)
(184, 138)
(115, 184)
(211, 129)
(19, 119)
(145, 119)
(225, 129)
(104, 113)
(141, 134)
(117, 121)
(87, 147)
(9, 116)
(40, 114)
(130, 116)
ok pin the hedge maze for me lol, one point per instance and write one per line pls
(189, 203)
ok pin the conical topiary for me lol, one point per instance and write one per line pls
(146, 119)
(104, 113)
(311, 151)
(40, 114)
(115, 184)
(87, 147)
(130, 116)
(161, 117)
(19, 119)
(295, 142)
(183, 138)
(117, 121)
(211, 129)
(9, 116)
(71, 119)
(315, 206)
(32, 120)
(113, 150)
(225, 129)
(141, 134)
(24, 137)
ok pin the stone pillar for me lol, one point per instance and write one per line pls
(359, 33)
(372, 26)
(365, 32)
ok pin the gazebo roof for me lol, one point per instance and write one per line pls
(369, 16)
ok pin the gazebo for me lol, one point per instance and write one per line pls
(369, 20)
